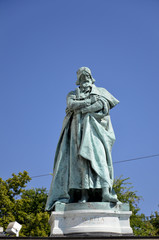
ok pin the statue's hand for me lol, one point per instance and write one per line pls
(94, 98)
(68, 111)
(88, 102)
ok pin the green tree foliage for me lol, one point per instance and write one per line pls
(141, 225)
(154, 220)
(144, 227)
(11, 189)
(23, 206)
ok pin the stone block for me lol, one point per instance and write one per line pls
(91, 218)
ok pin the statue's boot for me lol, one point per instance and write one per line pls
(107, 196)
(84, 196)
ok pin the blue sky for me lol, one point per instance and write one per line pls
(42, 44)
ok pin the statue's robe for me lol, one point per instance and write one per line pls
(83, 155)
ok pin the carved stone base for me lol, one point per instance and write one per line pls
(104, 218)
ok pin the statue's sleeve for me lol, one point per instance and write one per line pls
(100, 104)
(74, 104)
(97, 106)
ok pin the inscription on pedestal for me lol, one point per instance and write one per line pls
(90, 221)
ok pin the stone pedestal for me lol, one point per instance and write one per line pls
(91, 218)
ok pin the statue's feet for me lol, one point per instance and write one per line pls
(82, 200)
(84, 197)
(108, 197)
(63, 200)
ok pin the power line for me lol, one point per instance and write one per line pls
(127, 160)
(134, 159)
(43, 175)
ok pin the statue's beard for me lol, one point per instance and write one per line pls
(86, 87)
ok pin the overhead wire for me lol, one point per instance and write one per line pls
(117, 162)
(43, 175)
(138, 158)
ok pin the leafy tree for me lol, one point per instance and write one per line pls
(9, 191)
(154, 220)
(140, 224)
(23, 206)
(144, 227)
(30, 210)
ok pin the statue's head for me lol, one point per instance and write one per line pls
(84, 73)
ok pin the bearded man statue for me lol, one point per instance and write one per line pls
(83, 169)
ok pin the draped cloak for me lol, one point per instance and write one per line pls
(83, 155)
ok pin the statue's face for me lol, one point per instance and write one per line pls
(85, 80)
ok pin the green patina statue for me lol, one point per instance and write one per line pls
(83, 169)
